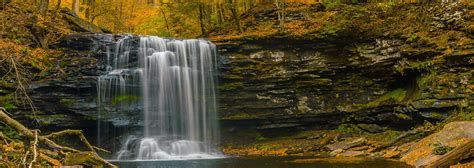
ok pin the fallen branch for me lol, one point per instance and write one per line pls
(72, 132)
(51, 144)
(50, 160)
(81, 137)
(5, 138)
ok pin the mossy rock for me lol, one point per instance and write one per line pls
(230, 86)
(82, 158)
(371, 128)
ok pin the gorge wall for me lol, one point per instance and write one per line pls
(280, 84)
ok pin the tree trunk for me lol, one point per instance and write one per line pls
(39, 34)
(201, 20)
(75, 6)
(166, 21)
(280, 6)
(219, 13)
(58, 4)
(151, 2)
(121, 10)
(43, 6)
(235, 15)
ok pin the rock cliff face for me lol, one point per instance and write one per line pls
(289, 84)
(319, 86)
(351, 70)
(284, 83)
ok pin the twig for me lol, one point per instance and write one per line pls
(5, 138)
(23, 162)
(72, 132)
(35, 152)
(100, 149)
(21, 86)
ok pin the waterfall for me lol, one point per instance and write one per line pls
(167, 88)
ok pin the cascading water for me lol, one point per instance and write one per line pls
(170, 84)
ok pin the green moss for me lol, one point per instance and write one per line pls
(267, 146)
(230, 86)
(240, 69)
(316, 82)
(440, 149)
(426, 81)
(9, 132)
(259, 137)
(239, 116)
(8, 102)
(348, 128)
(232, 76)
(9, 106)
(397, 95)
(124, 98)
(6, 84)
(412, 38)
(66, 102)
(421, 66)
(403, 116)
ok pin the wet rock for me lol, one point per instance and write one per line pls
(360, 148)
(342, 136)
(372, 128)
(336, 152)
(351, 154)
(346, 144)
(391, 154)
(318, 136)
(453, 134)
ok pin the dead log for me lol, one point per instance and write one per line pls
(454, 156)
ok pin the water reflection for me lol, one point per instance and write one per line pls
(265, 162)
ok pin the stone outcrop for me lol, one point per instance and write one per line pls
(452, 135)
(303, 84)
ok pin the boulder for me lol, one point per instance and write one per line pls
(79, 25)
(452, 135)
(372, 128)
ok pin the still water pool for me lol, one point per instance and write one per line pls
(265, 162)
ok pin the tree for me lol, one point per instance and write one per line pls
(201, 18)
(43, 6)
(58, 4)
(75, 6)
(235, 15)
(280, 6)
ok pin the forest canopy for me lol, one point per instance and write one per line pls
(175, 18)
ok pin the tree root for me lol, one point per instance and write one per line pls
(46, 139)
